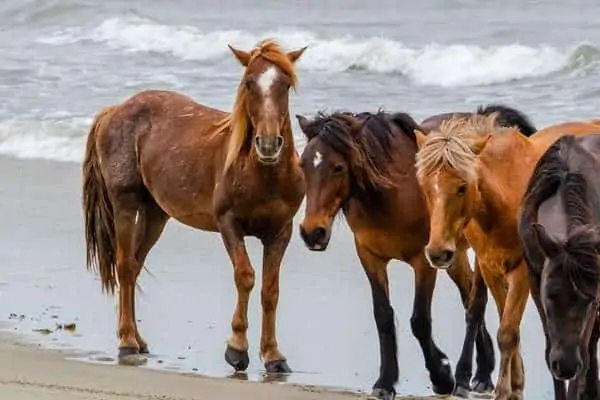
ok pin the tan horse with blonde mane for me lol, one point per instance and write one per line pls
(161, 155)
(474, 174)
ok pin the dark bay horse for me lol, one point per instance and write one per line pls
(161, 155)
(474, 173)
(363, 164)
(559, 230)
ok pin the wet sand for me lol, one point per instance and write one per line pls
(325, 323)
(27, 373)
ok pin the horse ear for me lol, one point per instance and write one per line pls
(421, 138)
(547, 245)
(303, 122)
(242, 56)
(294, 55)
(479, 144)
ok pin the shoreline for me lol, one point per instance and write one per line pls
(32, 372)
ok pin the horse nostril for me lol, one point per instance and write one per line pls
(279, 141)
(319, 234)
(555, 367)
(258, 141)
(447, 255)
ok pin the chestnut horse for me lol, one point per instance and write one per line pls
(473, 174)
(363, 164)
(559, 222)
(161, 155)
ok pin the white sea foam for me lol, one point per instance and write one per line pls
(434, 64)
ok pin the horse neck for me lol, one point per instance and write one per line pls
(505, 167)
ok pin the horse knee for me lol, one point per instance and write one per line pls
(420, 326)
(384, 318)
(244, 279)
(508, 339)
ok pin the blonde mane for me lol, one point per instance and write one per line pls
(236, 123)
(450, 146)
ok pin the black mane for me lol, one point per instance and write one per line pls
(365, 139)
(509, 117)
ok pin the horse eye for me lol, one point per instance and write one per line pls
(461, 190)
(338, 169)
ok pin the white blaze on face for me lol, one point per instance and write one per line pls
(318, 159)
(265, 82)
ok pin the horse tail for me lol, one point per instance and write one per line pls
(97, 210)
(509, 117)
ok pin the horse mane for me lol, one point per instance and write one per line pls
(579, 259)
(451, 145)
(509, 117)
(561, 171)
(237, 122)
(365, 140)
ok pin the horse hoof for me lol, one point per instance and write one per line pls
(278, 367)
(239, 360)
(462, 392)
(485, 386)
(131, 356)
(443, 381)
(144, 350)
(382, 394)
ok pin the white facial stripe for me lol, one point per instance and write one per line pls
(266, 80)
(318, 159)
(436, 185)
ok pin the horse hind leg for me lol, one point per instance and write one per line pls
(150, 225)
(127, 270)
(436, 361)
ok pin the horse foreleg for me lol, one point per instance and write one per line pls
(474, 297)
(126, 271)
(236, 353)
(591, 388)
(376, 271)
(150, 225)
(436, 361)
(560, 390)
(274, 249)
(511, 375)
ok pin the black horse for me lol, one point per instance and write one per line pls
(559, 230)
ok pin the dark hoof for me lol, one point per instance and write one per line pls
(239, 360)
(442, 380)
(128, 351)
(278, 367)
(485, 386)
(131, 356)
(144, 350)
(382, 394)
(462, 392)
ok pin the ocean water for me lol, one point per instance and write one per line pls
(62, 60)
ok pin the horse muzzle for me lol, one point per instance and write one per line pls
(268, 149)
(440, 258)
(316, 239)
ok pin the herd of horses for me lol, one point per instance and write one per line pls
(526, 201)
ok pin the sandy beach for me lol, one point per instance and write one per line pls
(28, 372)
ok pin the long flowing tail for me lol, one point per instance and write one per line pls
(97, 210)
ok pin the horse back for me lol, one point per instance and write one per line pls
(165, 144)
